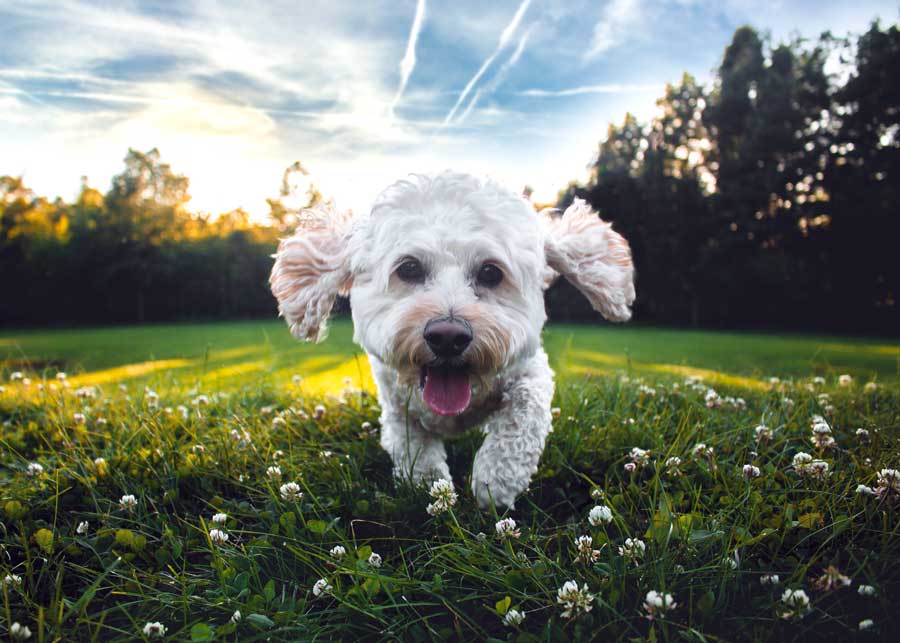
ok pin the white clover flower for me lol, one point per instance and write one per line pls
(818, 469)
(888, 486)
(866, 624)
(866, 590)
(155, 630)
(703, 452)
(831, 579)
(574, 600)
(597, 494)
(801, 463)
(128, 502)
(763, 434)
(506, 528)
(366, 426)
(34, 469)
(2, 389)
(643, 389)
(374, 560)
(673, 466)
(630, 467)
(78, 418)
(338, 552)
(586, 552)
(633, 549)
(750, 471)
(16, 376)
(61, 376)
(444, 497)
(82, 528)
(290, 491)
(19, 631)
(200, 400)
(818, 380)
(277, 455)
(600, 515)
(845, 380)
(12, 579)
(712, 399)
(319, 412)
(99, 461)
(870, 387)
(787, 402)
(236, 617)
(102, 421)
(152, 398)
(183, 410)
(296, 379)
(218, 537)
(321, 588)
(555, 412)
(769, 579)
(198, 449)
(640, 457)
(657, 604)
(278, 421)
(26, 382)
(797, 603)
(513, 618)
(220, 518)
(862, 435)
(864, 490)
(273, 472)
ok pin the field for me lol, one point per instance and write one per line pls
(112, 475)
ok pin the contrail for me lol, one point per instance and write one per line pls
(593, 89)
(504, 39)
(499, 76)
(409, 58)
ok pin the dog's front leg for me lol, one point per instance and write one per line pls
(515, 437)
(418, 456)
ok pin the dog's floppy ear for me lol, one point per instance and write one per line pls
(311, 268)
(584, 249)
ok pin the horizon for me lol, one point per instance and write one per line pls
(524, 93)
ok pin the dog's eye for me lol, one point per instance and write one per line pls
(489, 275)
(411, 271)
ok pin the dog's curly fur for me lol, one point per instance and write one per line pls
(453, 223)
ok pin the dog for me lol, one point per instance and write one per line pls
(446, 277)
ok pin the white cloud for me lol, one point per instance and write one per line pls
(618, 19)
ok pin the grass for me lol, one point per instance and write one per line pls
(207, 444)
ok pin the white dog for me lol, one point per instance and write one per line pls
(446, 278)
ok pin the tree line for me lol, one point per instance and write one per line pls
(768, 199)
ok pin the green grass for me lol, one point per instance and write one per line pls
(710, 533)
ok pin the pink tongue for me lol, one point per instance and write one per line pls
(447, 390)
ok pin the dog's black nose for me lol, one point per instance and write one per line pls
(448, 336)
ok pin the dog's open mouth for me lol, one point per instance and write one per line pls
(446, 389)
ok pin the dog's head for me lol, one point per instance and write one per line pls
(446, 277)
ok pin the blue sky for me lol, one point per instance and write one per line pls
(361, 92)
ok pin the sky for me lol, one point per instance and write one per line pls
(362, 92)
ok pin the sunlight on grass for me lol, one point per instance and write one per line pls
(614, 363)
(334, 380)
(128, 372)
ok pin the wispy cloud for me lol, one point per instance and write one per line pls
(409, 58)
(593, 89)
(617, 19)
(505, 37)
